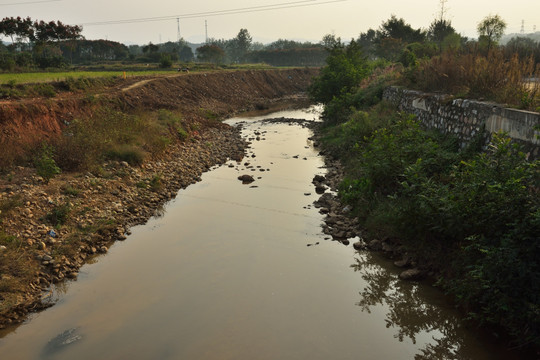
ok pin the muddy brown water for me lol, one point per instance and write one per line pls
(224, 272)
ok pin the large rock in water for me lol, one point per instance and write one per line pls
(411, 274)
(246, 179)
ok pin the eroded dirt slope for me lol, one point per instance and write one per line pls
(23, 123)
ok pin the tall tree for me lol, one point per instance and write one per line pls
(439, 30)
(490, 30)
(398, 29)
(240, 45)
(392, 37)
(347, 66)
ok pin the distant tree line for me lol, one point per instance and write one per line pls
(34, 42)
(242, 49)
(396, 40)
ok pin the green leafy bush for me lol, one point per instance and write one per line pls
(59, 214)
(347, 66)
(44, 162)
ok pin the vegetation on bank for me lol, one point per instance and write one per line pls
(106, 134)
(472, 216)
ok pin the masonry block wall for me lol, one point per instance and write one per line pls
(468, 119)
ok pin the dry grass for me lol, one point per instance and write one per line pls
(492, 77)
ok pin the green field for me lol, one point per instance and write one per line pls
(115, 71)
(43, 77)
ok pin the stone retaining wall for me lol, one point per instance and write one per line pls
(469, 119)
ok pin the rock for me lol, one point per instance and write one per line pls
(387, 247)
(358, 245)
(375, 245)
(320, 189)
(402, 263)
(72, 275)
(42, 246)
(3, 248)
(411, 274)
(345, 242)
(319, 179)
(246, 179)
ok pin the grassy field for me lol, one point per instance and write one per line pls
(108, 71)
(44, 77)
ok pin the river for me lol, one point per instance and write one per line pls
(224, 271)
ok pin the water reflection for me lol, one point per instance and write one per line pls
(411, 311)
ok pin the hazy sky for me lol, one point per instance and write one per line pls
(299, 20)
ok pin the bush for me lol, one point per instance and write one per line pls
(493, 77)
(59, 214)
(45, 90)
(165, 61)
(346, 68)
(44, 162)
(128, 153)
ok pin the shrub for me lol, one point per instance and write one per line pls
(165, 61)
(59, 214)
(493, 77)
(46, 90)
(156, 183)
(128, 153)
(44, 162)
(346, 67)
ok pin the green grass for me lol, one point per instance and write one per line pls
(43, 77)
(115, 71)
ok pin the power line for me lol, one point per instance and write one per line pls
(252, 9)
(200, 14)
(30, 2)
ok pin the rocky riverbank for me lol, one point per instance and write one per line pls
(341, 225)
(54, 228)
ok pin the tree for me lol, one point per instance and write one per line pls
(330, 41)
(398, 29)
(490, 30)
(186, 54)
(18, 29)
(367, 41)
(439, 30)
(211, 53)
(150, 48)
(346, 67)
(240, 45)
(55, 31)
(392, 37)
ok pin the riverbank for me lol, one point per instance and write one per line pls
(91, 211)
(50, 228)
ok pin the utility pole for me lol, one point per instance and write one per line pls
(178, 37)
(206, 30)
(522, 26)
